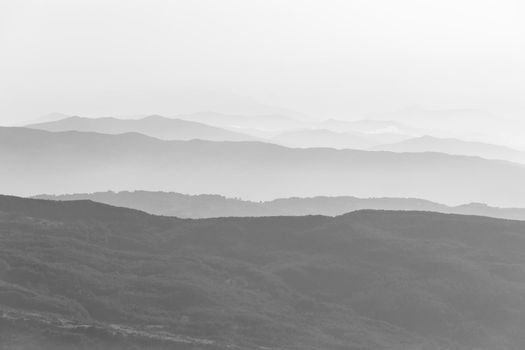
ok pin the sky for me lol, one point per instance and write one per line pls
(320, 59)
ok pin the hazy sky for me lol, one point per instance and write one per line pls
(323, 58)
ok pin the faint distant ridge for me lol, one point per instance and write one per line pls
(50, 117)
(262, 122)
(153, 125)
(291, 132)
(472, 124)
(437, 118)
(454, 146)
(371, 126)
(280, 123)
(208, 205)
(306, 138)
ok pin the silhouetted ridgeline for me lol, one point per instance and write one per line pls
(154, 126)
(308, 138)
(83, 275)
(374, 135)
(209, 206)
(35, 161)
(454, 146)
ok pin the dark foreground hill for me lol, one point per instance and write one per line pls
(83, 275)
(35, 161)
(210, 206)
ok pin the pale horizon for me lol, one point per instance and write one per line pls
(341, 59)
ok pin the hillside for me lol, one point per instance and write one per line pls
(454, 146)
(154, 126)
(174, 204)
(210, 206)
(308, 138)
(36, 161)
(79, 275)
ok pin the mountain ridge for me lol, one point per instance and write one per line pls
(454, 146)
(94, 162)
(212, 205)
(152, 125)
(368, 280)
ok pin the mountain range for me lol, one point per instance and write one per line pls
(331, 133)
(154, 126)
(369, 126)
(210, 206)
(465, 120)
(454, 146)
(84, 275)
(261, 123)
(282, 123)
(36, 161)
(308, 138)
(220, 127)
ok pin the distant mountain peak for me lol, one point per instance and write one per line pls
(154, 125)
(428, 143)
(154, 117)
(475, 205)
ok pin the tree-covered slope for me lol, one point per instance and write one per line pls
(85, 275)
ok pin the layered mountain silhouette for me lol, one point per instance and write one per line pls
(154, 126)
(210, 206)
(370, 126)
(468, 124)
(332, 133)
(261, 123)
(50, 117)
(36, 161)
(223, 127)
(464, 119)
(79, 274)
(308, 138)
(455, 146)
(281, 129)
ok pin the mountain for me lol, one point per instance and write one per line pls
(308, 138)
(50, 117)
(469, 124)
(473, 120)
(333, 206)
(454, 146)
(370, 126)
(174, 204)
(84, 275)
(36, 161)
(210, 206)
(154, 126)
(268, 126)
(261, 123)
(223, 127)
